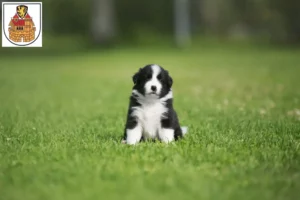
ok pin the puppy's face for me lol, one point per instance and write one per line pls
(152, 80)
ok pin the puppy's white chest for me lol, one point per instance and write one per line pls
(151, 119)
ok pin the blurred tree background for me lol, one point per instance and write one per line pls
(133, 21)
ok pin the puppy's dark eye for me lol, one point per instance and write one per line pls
(149, 76)
(159, 77)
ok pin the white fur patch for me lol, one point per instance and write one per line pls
(149, 115)
(184, 130)
(134, 135)
(166, 135)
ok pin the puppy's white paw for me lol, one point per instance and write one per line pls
(184, 130)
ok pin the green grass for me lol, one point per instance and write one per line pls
(61, 120)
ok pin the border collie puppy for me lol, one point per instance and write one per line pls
(151, 114)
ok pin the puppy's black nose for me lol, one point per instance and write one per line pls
(153, 88)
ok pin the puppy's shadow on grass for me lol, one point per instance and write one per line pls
(151, 142)
(142, 141)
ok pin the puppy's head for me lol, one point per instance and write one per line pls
(152, 80)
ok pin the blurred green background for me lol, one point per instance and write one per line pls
(76, 24)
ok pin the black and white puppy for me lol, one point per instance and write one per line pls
(151, 114)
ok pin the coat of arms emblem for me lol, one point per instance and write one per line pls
(21, 26)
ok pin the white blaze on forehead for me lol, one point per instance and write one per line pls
(156, 70)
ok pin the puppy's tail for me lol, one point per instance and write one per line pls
(184, 130)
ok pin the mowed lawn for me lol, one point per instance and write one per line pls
(62, 118)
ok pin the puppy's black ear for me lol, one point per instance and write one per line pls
(135, 77)
(170, 80)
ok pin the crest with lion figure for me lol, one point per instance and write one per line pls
(23, 26)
